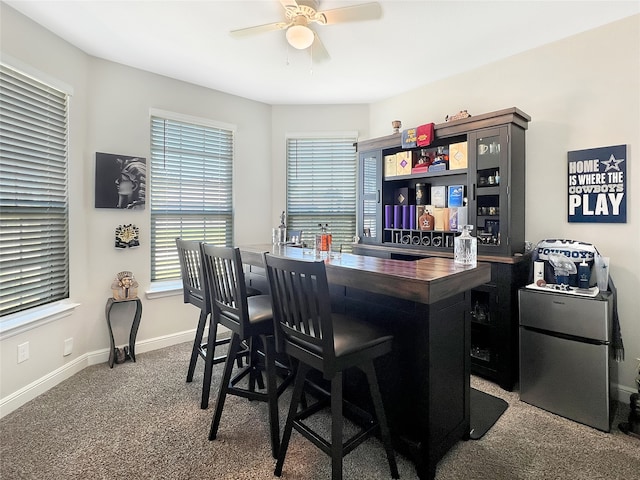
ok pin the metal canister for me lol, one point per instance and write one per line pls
(421, 194)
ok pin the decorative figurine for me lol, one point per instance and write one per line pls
(458, 116)
(396, 124)
(124, 287)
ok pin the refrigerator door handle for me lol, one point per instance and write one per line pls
(566, 336)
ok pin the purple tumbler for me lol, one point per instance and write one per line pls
(405, 216)
(388, 216)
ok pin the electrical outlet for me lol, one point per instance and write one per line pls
(23, 352)
(68, 347)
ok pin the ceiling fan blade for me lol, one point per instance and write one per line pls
(354, 13)
(318, 51)
(244, 32)
(289, 3)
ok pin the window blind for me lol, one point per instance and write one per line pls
(321, 187)
(191, 190)
(34, 247)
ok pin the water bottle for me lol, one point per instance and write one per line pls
(465, 248)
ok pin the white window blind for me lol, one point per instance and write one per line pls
(321, 186)
(34, 247)
(191, 190)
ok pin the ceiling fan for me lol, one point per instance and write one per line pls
(301, 14)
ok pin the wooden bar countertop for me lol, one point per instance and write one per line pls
(427, 280)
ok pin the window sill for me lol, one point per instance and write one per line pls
(164, 289)
(35, 317)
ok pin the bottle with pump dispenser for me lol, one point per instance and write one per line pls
(584, 275)
(465, 248)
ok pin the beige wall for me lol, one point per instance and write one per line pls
(577, 99)
(116, 120)
(300, 119)
(581, 92)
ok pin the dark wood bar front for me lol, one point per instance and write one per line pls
(425, 381)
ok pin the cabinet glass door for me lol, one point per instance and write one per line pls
(369, 218)
(490, 154)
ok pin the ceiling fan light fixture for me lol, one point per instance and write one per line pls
(300, 36)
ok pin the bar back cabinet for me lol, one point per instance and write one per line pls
(494, 196)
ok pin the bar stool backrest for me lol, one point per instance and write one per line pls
(226, 283)
(193, 285)
(302, 310)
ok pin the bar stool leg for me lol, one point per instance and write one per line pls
(224, 385)
(272, 392)
(336, 427)
(298, 387)
(209, 361)
(195, 351)
(370, 371)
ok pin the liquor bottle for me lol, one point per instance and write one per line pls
(426, 221)
(441, 155)
(327, 238)
(282, 230)
(323, 240)
(465, 248)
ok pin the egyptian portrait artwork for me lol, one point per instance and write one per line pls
(121, 181)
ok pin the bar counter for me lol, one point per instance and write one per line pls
(425, 305)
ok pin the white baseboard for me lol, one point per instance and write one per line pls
(18, 398)
(15, 400)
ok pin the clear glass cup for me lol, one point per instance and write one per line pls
(602, 272)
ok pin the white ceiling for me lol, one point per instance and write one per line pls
(414, 43)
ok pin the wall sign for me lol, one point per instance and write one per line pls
(598, 185)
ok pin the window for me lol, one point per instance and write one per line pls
(321, 186)
(191, 187)
(34, 264)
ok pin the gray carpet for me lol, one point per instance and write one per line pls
(143, 421)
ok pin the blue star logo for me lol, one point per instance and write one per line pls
(612, 163)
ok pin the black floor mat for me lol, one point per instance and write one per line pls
(485, 411)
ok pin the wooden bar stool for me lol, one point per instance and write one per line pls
(194, 290)
(306, 329)
(250, 320)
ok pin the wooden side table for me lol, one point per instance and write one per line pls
(134, 328)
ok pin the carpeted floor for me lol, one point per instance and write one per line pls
(143, 421)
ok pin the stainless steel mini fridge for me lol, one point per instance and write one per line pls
(565, 355)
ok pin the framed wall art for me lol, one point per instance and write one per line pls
(121, 181)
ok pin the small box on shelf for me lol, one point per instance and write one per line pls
(455, 195)
(458, 156)
(404, 196)
(441, 218)
(404, 162)
(390, 166)
(439, 196)
(438, 167)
